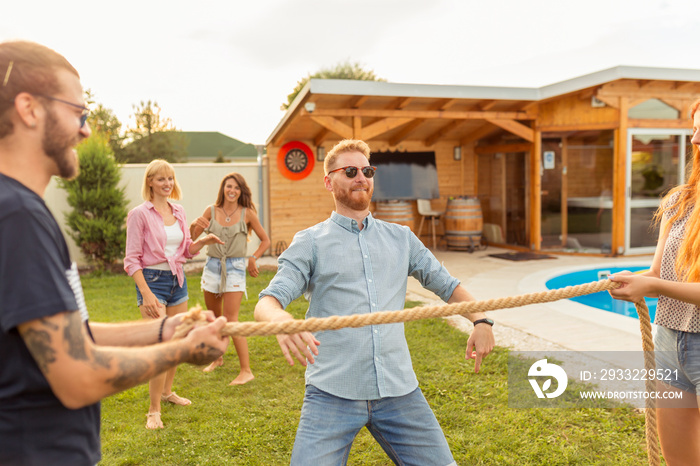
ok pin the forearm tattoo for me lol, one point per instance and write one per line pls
(39, 344)
(132, 367)
(74, 338)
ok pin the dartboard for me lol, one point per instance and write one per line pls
(295, 160)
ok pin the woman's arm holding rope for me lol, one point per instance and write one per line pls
(481, 341)
(649, 284)
(303, 345)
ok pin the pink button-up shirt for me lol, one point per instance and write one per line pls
(145, 240)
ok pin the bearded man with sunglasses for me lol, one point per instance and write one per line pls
(55, 366)
(350, 264)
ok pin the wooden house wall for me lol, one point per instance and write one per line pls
(574, 112)
(296, 205)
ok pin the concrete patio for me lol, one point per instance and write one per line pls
(563, 325)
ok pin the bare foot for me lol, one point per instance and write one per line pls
(175, 399)
(214, 365)
(153, 421)
(242, 378)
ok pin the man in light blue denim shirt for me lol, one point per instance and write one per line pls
(350, 264)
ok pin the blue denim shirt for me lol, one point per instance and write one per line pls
(343, 270)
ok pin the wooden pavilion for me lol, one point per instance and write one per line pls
(574, 166)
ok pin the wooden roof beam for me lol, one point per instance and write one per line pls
(651, 123)
(426, 114)
(448, 103)
(480, 132)
(405, 131)
(487, 104)
(688, 86)
(678, 104)
(321, 136)
(634, 93)
(430, 140)
(382, 126)
(635, 102)
(402, 102)
(613, 102)
(281, 136)
(357, 101)
(334, 125)
(514, 127)
(503, 148)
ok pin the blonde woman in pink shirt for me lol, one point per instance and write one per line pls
(158, 243)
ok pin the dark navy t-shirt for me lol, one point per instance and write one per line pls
(37, 279)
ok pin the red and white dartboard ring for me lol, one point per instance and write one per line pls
(295, 160)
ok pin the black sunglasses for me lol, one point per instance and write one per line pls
(83, 117)
(351, 172)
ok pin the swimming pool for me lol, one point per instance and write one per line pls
(601, 300)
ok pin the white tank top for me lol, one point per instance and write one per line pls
(174, 237)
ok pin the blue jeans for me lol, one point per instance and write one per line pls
(163, 284)
(405, 427)
(678, 350)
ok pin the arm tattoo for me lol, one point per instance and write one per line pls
(39, 344)
(73, 336)
(130, 373)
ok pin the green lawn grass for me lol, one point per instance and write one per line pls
(254, 424)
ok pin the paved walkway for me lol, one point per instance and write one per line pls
(562, 325)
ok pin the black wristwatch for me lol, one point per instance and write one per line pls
(484, 321)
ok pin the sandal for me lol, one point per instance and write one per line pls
(175, 399)
(153, 421)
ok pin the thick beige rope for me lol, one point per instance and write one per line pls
(653, 453)
(314, 324)
(195, 318)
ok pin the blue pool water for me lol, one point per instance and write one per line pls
(602, 299)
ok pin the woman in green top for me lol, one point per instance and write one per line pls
(223, 278)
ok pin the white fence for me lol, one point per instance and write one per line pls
(199, 183)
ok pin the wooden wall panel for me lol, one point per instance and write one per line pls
(575, 110)
(296, 205)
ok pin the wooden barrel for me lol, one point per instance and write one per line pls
(463, 223)
(400, 212)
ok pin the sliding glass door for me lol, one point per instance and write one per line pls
(655, 164)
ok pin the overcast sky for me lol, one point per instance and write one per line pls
(228, 65)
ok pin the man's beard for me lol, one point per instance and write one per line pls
(354, 202)
(59, 147)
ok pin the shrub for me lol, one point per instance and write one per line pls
(96, 222)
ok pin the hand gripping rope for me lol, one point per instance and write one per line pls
(246, 329)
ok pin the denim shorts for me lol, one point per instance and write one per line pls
(235, 275)
(404, 426)
(677, 350)
(163, 284)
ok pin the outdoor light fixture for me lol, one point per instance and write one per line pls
(457, 153)
(320, 153)
(310, 107)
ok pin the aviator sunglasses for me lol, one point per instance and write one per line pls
(351, 172)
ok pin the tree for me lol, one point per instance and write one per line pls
(152, 137)
(99, 205)
(344, 70)
(103, 120)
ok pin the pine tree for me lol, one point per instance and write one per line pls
(96, 222)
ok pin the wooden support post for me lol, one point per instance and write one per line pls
(536, 193)
(564, 191)
(356, 127)
(619, 208)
